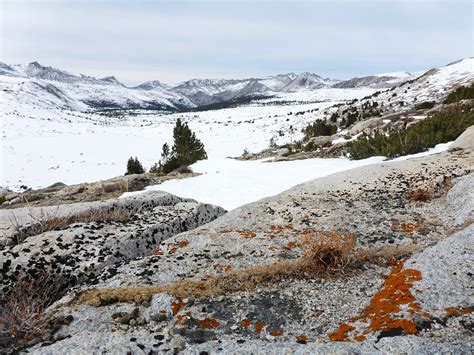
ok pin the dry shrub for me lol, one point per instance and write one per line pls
(325, 254)
(47, 221)
(123, 185)
(419, 195)
(21, 310)
(448, 184)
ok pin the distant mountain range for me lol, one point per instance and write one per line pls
(48, 86)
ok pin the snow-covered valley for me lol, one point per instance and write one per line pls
(43, 142)
(41, 147)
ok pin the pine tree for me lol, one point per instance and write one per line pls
(134, 166)
(187, 149)
(165, 153)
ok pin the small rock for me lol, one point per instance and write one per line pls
(159, 317)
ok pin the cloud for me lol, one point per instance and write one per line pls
(173, 41)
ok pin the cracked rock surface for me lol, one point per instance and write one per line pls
(80, 251)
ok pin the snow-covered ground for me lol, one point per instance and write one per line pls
(43, 143)
(231, 183)
(42, 146)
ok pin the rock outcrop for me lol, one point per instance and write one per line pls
(80, 251)
(410, 291)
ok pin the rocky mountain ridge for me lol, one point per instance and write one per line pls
(59, 88)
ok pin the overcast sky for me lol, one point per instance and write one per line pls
(177, 40)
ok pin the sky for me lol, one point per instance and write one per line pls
(176, 40)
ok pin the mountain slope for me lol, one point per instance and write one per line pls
(48, 87)
(61, 89)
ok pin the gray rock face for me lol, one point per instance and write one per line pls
(447, 273)
(427, 297)
(283, 152)
(323, 140)
(464, 141)
(461, 199)
(81, 251)
(366, 126)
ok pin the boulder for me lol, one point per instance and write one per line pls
(323, 141)
(283, 152)
(366, 126)
(140, 224)
(465, 140)
(114, 186)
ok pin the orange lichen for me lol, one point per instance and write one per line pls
(259, 326)
(157, 251)
(183, 243)
(407, 228)
(380, 314)
(392, 262)
(276, 333)
(291, 245)
(302, 339)
(176, 307)
(208, 323)
(394, 225)
(411, 228)
(341, 333)
(458, 311)
(245, 323)
(419, 195)
(248, 235)
(172, 250)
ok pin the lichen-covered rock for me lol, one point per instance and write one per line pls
(80, 251)
(419, 305)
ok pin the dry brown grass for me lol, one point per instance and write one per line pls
(47, 221)
(419, 195)
(21, 319)
(325, 254)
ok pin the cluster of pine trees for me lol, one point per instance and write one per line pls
(319, 128)
(444, 126)
(134, 166)
(461, 93)
(186, 150)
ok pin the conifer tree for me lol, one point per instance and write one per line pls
(186, 150)
(134, 166)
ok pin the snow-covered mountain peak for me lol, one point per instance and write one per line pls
(36, 70)
(306, 81)
(5, 66)
(111, 80)
(151, 85)
(54, 87)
